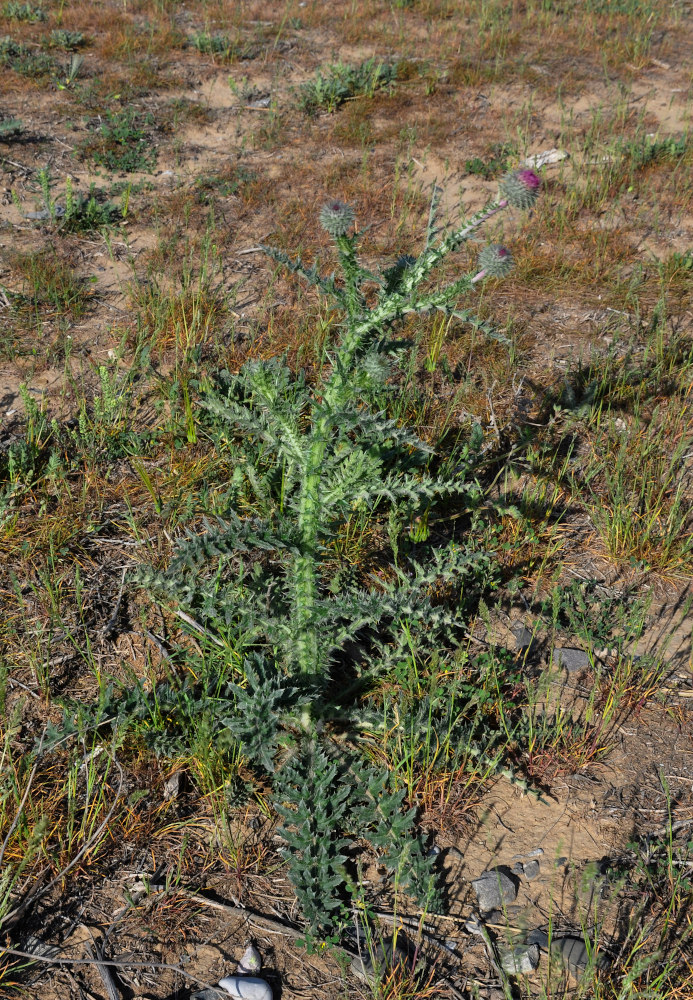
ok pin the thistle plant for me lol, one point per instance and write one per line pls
(315, 639)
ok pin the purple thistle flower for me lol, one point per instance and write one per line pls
(494, 261)
(336, 218)
(520, 188)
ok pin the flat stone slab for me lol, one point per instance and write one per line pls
(531, 870)
(520, 960)
(570, 659)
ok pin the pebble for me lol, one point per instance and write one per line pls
(536, 853)
(571, 659)
(173, 786)
(549, 156)
(246, 987)
(386, 956)
(518, 869)
(495, 888)
(520, 960)
(250, 963)
(532, 869)
(523, 637)
(560, 862)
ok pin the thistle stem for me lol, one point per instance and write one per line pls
(305, 573)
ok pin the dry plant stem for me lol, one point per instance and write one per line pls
(113, 963)
(241, 911)
(198, 628)
(404, 923)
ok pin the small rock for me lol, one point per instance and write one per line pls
(560, 862)
(538, 937)
(520, 960)
(205, 995)
(523, 637)
(246, 988)
(575, 956)
(173, 786)
(536, 853)
(532, 869)
(571, 659)
(570, 950)
(549, 156)
(495, 888)
(386, 956)
(518, 869)
(250, 963)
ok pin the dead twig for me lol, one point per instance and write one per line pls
(113, 963)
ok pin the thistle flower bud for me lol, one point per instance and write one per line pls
(520, 187)
(494, 261)
(336, 218)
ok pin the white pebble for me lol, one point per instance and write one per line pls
(246, 987)
(250, 962)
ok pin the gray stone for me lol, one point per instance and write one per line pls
(386, 956)
(520, 960)
(538, 937)
(207, 995)
(174, 786)
(532, 869)
(250, 963)
(523, 637)
(560, 862)
(570, 659)
(495, 888)
(536, 853)
(518, 869)
(571, 951)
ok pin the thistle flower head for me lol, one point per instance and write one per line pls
(495, 261)
(336, 218)
(520, 187)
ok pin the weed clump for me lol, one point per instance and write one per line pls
(23, 60)
(60, 38)
(10, 128)
(339, 82)
(23, 12)
(122, 142)
(214, 45)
